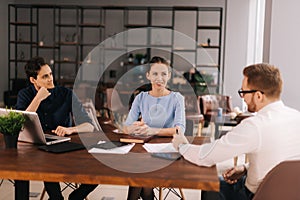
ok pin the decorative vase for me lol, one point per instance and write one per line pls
(11, 141)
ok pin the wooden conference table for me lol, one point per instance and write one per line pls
(134, 168)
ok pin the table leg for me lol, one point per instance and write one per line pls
(21, 190)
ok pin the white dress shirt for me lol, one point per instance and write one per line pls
(268, 138)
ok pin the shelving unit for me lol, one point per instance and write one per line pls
(65, 34)
(60, 34)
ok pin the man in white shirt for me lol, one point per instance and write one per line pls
(268, 138)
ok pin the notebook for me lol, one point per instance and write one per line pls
(62, 147)
(32, 131)
(132, 138)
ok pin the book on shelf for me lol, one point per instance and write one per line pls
(131, 138)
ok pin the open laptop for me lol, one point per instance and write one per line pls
(32, 131)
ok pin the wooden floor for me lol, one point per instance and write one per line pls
(102, 192)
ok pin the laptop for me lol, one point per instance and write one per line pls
(32, 131)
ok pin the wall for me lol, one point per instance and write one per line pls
(236, 47)
(235, 44)
(3, 45)
(284, 47)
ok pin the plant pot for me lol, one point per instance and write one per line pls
(11, 141)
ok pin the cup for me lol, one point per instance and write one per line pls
(220, 112)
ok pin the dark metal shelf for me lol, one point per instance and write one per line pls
(209, 27)
(22, 42)
(81, 23)
(209, 47)
(22, 23)
(91, 25)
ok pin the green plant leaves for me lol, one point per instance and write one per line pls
(12, 123)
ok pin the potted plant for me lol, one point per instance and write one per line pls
(10, 126)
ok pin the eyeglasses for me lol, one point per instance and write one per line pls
(243, 92)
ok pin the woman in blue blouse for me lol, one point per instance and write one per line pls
(161, 112)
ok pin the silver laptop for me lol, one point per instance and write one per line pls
(32, 131)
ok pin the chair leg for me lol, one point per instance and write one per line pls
(43, 194)
(160, 193)
(181, 194)
(199, 133)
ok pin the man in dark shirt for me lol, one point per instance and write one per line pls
(54, 106)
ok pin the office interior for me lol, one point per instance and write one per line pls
(254, 31)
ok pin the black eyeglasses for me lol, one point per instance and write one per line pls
(242, 92)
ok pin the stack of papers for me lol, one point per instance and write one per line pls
(159, 147)
(118, 150)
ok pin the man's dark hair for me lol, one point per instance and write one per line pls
(33, 66)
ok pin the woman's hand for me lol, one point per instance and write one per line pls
(134, 127)
(141, 128)
(232, 175)
(144, 129)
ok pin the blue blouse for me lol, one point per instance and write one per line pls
(57, 109)
(158, 112)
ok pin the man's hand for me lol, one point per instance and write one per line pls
(179, 139)
(62, 131)
(232, 175)
(42, 94)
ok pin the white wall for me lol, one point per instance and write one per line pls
(236, 47)
(284, 47)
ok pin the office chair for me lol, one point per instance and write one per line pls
(91, 111)
(282, 182)
(180, 195)
(67, 185)
(209, 105)
(118, 111)
(193, 113)
(11, 181)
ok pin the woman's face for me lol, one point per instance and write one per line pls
(158, 75)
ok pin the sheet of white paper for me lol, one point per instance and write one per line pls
(118, 150)
(159, 147)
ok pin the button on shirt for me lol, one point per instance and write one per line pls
(55, 110)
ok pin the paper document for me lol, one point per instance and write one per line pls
(159, 147)
(118, 150)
